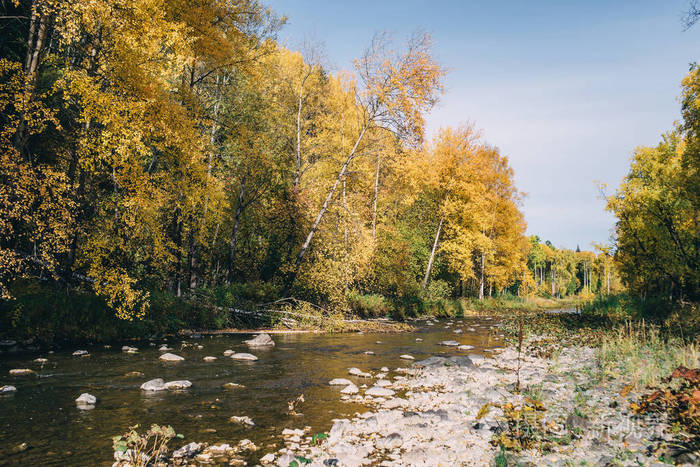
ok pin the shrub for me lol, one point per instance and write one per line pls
(368, 305)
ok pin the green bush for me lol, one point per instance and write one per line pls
(368, 305)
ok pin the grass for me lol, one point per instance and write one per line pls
(641, 354)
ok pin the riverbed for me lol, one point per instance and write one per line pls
(43, 413)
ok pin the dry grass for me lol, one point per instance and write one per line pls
(639, 353)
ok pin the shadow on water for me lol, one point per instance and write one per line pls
(43, 414)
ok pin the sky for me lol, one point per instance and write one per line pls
(566, 89)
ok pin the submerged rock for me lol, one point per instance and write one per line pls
(41, 360)
(156, 384)
(261, 340)
(357, 372)
(233, 386)
(86, 401)
(209, 359)
(449, 343)
(243, 420)
(7, 389)
(339, 382)
(180, 384)
(244, 356)
(187, 451)
(128, 349)
(80, 353)
(21, 372)
(350, 389)
(407, 357)
(170, 357)
(377, 391)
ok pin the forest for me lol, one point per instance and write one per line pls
(157, 152)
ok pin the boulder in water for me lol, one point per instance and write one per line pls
(407, 357)
(339, 382)
(7, 389)
(350, 389)
(261, 340)
(21, 372)
(449, 343)
(209, 359)
(86, 401)
(80, 353)
(378, 391)
(244, 356)
(228, 353)
(180, 384)
(171, 357)
(154, 385)
(243, 420)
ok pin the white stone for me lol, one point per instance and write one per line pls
(180, 384)
(350, 389)
(382, 383)
(243, 420)
(86, 399)
(228, 353)
(377, 391)
(244, 356)
(449, 343)
(41, 360)
(209, 359)
(268, 458)
(171, 357)
(339, 382)
(21, 372)
(153, 385)
(261, 340)
(7, 389)
(80, 353)
(465, 347)
(407, 357)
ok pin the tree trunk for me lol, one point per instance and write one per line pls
(481, 278)
(432, 254)
(376, 195)
(234, 234)
(322, 212)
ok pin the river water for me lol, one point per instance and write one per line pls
(43, 413)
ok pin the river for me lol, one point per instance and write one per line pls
(43, 413)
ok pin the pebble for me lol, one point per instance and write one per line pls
(244, 356)
(171, 357)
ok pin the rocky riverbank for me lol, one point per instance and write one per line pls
(468, 411)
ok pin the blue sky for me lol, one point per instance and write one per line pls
(565, 89)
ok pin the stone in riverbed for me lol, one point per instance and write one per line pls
(261, 340)
(243, 420)
(164, 348)
(382, 383)
(465, 347)
(384, 369)
(377, 391)
(180, 384)
(233, 386)
(443, 361)
(407, 357)
(21, 372)
(7, 389)
(449, 343)
(209, 359)
(339, 382)
(127, 349)
(86, 401)
(418, 339)
(393, 441)
(81, 353)
(41, 360)
(171, 357)
(350, 389)
(357, 372)
(228, 353)
(244, 356)
(268, 458)
(188, 450)
(154, 385)
(369, 352)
